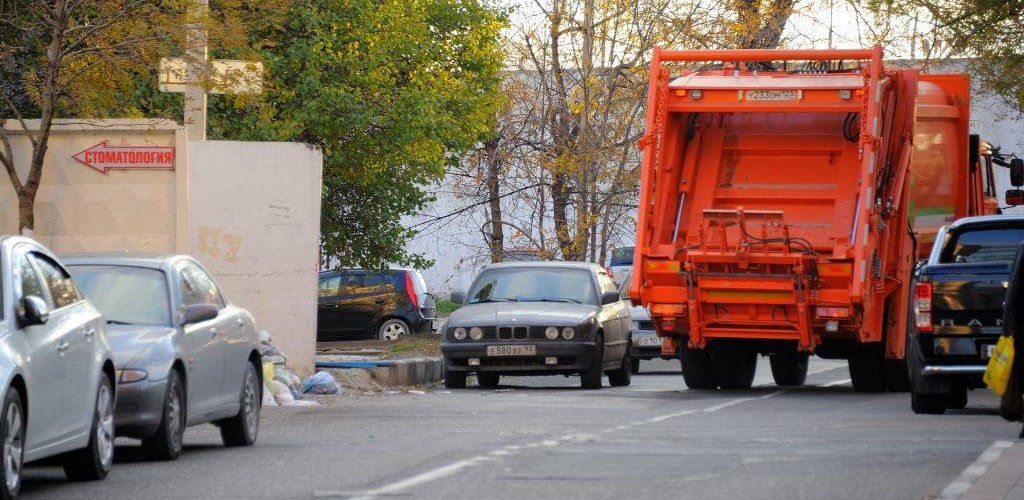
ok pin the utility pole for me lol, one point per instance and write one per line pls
(196, 71)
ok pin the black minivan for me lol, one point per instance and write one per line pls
(358, 304)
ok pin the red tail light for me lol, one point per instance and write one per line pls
(411, 290)
(609, 270)
(923, 307)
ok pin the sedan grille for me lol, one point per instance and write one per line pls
(646, 325)
(513, 332)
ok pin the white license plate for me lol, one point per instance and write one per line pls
(647, 340)
(771, 95)
(511, 350)
(988, 350)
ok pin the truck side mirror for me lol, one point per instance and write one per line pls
(1017, 172)
(1014, 197)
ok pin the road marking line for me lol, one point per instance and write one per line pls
(966, 479)
(495, 455)
(836, 382)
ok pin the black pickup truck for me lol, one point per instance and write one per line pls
(957, 309)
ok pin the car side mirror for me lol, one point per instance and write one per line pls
(610, 298)
(35, 311)
(1017, 172)
(458, 297)
(1014, 197)
(197, 313)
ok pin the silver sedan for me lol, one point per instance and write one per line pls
(56, 370)
(184, 354)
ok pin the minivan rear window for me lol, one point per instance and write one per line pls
(622, 256)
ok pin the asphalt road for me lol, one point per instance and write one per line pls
(544, 438)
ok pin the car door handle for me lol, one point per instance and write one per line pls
(241, 324)
(88, 333)
(62, 346)
(213, 332)
(379, 301)
(330, 306)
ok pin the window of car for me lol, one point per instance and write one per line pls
(376, 280)
(329, 285)
(197, 287)
(29, 279)
(605, 283)
(361, 283)
(57, 281)
(526, 284)
(126, 295)
(624, 287)
(987, 244)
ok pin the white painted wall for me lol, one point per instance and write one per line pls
(254, 222)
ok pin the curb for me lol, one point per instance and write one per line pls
(393, 372)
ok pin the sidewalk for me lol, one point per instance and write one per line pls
(998, 474)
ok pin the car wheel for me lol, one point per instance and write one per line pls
(734, 367)
(454, 380)
(392, 329)
(243, 428)
(697, 368)
(622, 376)
(12, 432)
(166, 442)
(789, 368)
(591, 377)
(488, 380)
(94, 461)
(636, 365)
(928, 404)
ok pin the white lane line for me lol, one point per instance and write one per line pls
(962, 483)
(836, 382)
(450, 469)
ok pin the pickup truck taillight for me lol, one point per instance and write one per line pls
(923, 307)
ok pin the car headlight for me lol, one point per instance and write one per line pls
(129, 376)
(459, 333)
(476, 333)
(551, 332)
(568, 333)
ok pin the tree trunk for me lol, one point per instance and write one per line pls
(497, 241)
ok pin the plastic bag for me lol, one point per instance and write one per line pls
(282, 395)
(997, 373)
(268, 371)
(320, 383)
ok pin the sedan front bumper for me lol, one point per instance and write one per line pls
(570, 357)
(140, 407)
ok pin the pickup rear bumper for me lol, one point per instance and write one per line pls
(953, 370)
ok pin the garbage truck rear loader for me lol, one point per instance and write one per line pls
(775, 205)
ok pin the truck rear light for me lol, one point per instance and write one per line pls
(923, 307)
(832, 312)
(608, 269)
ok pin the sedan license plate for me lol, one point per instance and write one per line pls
(771, 95)
(987, 350)
(511, 350)
(648, 340)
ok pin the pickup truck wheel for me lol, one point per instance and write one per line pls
(488, 380)
(622, 376)
(957, 398)
(790, 368)
(697, 368)
(591, 377)
(928, 404)
(734, 367)
(867, 367)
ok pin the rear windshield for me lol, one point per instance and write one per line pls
(984, 245)
(622, 256)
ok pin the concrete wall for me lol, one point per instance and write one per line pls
(254, 222)
(250, 212)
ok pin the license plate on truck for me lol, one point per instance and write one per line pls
(987, 350)
(771, 95)
(511, 350)
(647, 341)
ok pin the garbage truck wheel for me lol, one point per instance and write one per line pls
(789, 368)
(697, 369)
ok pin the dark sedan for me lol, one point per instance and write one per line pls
(539, 318)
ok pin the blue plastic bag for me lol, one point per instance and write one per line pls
(320, 383)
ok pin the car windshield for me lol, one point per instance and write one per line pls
(986, 245)
(125, 295)
(622, 256)
(525, 284)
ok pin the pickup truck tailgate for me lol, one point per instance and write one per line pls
(968, 298)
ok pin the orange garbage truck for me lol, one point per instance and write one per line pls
(785, 197)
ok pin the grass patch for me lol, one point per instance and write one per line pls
(418, 345)
(446, 306)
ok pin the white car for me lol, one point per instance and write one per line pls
(620, 263)
(55, 367)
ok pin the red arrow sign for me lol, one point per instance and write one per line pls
(103, 157)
